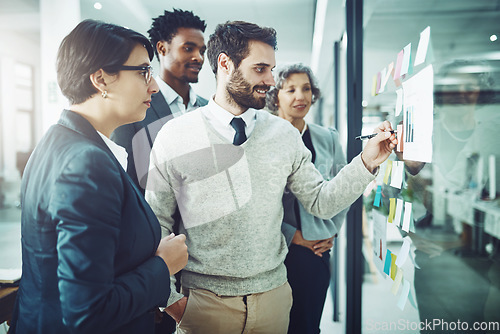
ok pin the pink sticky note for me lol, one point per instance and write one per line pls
(379, 81)
(399, 63)
(399, 128)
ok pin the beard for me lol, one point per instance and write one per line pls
(242, 92)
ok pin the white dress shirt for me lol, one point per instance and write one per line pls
(119, 152)
(174, 100)
(221, 119)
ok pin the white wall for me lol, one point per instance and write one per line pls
(14, 48)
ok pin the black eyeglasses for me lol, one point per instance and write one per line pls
(147, 71)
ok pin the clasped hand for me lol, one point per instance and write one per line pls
(318, 247)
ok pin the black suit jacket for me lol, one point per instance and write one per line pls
(88, 240)
(138, 138)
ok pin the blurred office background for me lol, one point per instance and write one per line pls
(456, 209)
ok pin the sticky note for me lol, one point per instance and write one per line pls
(412, 301)
(415, 264)
(399, 103)
(399, 147)
(378, 196)
(388, 74)
(406, 59)
(383, 82)
(412, 223)
(423, 45)
(407, 216)
(397, 281)
(399, 63)
(392, 209)
(387, 263)
(397, 174)
(399, 212)
(404, 294)
(404, 185)
(369, 188)
(388, 169)
(393, 265)
(410, 66)
(403, 252)
(379, 81)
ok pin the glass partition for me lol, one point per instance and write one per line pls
(431, 221)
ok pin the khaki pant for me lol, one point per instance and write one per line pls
(260, 313)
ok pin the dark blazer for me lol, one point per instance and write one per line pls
(88, 240)
(138, 138)
(329, 161)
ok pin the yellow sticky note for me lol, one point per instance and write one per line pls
(392, 209)
(388, 170)
(393, 266)
(397, 281)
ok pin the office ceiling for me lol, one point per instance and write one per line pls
(293, 19)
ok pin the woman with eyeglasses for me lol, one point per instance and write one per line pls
(309, 238)
(93, 257)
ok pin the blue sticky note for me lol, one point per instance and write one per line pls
(410, 67)
(387, 264)
(412, 223)
(412, 301)
(378, 196)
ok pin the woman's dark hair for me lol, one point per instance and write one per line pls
(90, 46)
(165, 26)
(232, 38)
(280, 77)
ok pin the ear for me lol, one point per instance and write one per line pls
(99, 80)
(225, 64)
(162, 48)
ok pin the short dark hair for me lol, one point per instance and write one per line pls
(165, 26)
(232, 38)
(90, 46)
(280, 77)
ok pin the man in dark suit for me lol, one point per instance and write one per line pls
(179, 45)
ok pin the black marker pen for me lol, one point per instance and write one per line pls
(371, 136)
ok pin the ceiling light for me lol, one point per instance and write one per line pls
(97, 5)
(493, 38)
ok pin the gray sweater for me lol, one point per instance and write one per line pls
(230, 197)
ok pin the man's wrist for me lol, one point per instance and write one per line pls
(369, 167)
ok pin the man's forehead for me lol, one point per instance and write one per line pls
(260, 53)
(189, 34)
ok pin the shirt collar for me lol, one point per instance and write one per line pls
(225, 117)
(171, 95)
(119, 152)
(304, 129)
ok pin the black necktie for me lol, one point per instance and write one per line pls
(239, 125)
